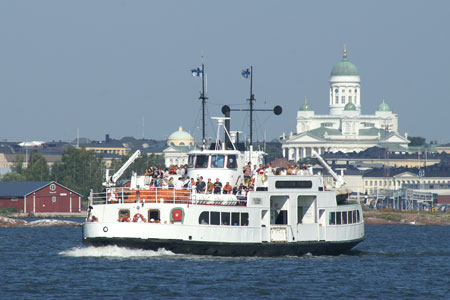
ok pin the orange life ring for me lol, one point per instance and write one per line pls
(138, 215)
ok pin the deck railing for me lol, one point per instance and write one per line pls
(164, 195)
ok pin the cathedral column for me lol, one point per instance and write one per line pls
(304, 152)
(297, 153)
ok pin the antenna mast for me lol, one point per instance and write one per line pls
(203, 98)
(251, 99)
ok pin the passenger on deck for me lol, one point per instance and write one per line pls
(209, 186)
(201, 185)
(254, 171)
(283, 172)
(241, 193)
(191, 184)
(260, 170)
(170, 184)
(149, 172)
(227, 188)
(179, 184)
(247, 173)
(269, 170)
(186, 182)
(290, 171)
(217, 186)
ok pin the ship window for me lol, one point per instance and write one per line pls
(231, 162)
(357, 216)
(332, 218)
(153, 215)
(215, 218)
(344, 217)
(204, 218)
(235, 219)
(303, 184)
(244, 219)
(191, 161)
(338, 218)
(282, 218)
(124, 215)
(202, 161)
(354, 216)
(225, 218)
(217, 161)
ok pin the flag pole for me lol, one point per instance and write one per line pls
(251, 99)
(203, 98)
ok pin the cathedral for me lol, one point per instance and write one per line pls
(344, 129)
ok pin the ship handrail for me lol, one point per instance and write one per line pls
(121, 195)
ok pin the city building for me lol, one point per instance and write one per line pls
(345, 128)
(179, 144)
(109, 146)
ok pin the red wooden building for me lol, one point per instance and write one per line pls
(39, 197)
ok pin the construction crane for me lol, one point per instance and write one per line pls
(111, 180)
(338, 179)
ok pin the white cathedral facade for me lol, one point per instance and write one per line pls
(344, 129)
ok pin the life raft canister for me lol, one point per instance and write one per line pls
(177, 214)
(138, 217)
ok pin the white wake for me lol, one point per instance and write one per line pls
(114, 252)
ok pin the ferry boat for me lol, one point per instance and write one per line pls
(283, 215)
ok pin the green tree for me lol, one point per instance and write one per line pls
(17, 166)
(79, 170)
(416, 141)
(13, 176)
(37, 169)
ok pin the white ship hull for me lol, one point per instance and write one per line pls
(276, 220)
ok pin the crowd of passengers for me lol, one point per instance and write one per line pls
(165, 178)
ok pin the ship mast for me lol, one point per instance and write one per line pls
(247, 73)
(201, 73)
(203, 98)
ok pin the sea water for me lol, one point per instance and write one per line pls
(394, 262)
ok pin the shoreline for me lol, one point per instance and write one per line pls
(393, 217)
(59, 215)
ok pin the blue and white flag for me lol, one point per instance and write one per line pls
(246, 73)
(197, 72)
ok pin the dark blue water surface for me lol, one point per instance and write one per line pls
(394, 262)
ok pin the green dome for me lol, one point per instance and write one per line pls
(349, 106)
(305, 106)
(180, 134)
(344, 67)
(383, 107)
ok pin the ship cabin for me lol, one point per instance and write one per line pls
(226, 165)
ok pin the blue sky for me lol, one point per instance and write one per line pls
(103, 66)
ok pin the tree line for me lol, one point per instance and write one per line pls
(79, 170)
